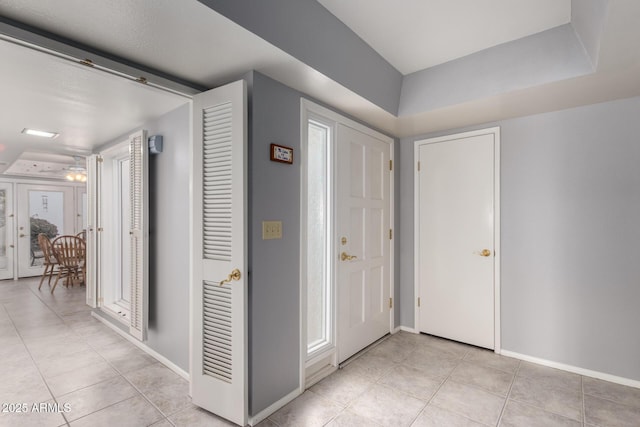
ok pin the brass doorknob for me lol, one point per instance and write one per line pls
(485, 252)
(235, 275)
(346, 257)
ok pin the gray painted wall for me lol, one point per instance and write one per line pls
(570, 233)
(169, 238)
(168, 332)
(551, 55)
(274, 267)
(309, 32)
(274, 281)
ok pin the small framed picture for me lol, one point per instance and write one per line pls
(281, 154)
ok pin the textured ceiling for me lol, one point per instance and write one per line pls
(182, 38)
(86, 107)
(193, 42)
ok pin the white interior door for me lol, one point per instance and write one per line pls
(219, 253)
(363, 240)
(47, 209)
(456, 219)
(6, 231)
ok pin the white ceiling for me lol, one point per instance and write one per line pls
(189, 40)
(86, 107)
(183, 38)
(89, 107)
(416, 34)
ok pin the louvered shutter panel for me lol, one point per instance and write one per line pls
(138, 194)
(219, 315)
(216, 181)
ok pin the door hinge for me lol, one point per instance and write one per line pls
(99, 159)
(390, 234)
(418, 301)
(390, 302)
(418, 166)
(390, 165)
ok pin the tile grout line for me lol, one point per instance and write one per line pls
(46, 384)
(107, 361)
(119, 374)
(506, 399)
(447, 378)
(443, 381)
(584, 412)
(401, 363)
(550, 411)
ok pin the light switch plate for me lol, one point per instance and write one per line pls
(271, 230)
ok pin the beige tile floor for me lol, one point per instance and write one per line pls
(53, 351)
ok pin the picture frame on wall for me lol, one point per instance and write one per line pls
(282, 154)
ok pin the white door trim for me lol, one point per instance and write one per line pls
(495, 131)
(309, 108)
(23, 216)
(10, 231)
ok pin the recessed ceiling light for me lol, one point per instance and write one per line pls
(41, 133)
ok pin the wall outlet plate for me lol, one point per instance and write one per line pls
(271, 230)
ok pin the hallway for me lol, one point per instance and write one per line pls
(53, 351)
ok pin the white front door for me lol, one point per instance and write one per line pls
(219, 253)
(47, 209)
(456, 217)
(7, 248)
(363, 240)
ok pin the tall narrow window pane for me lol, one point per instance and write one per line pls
(3, 230)
(318, 277)
(46, 212)
(125, 238)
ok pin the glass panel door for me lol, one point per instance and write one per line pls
(6, 231)
(81, 209)
(41, 209)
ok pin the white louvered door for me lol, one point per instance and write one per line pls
(219, 285)
(139, 234)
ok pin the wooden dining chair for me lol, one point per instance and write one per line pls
(82, 235)
(70, 252)
(49, 260)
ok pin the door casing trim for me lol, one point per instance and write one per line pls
(307, 107)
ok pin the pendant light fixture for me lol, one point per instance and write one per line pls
(76, 173)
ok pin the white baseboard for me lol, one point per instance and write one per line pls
(151, 352)
(574, 369)
(395, 330)
(408, 329)
(273, 408)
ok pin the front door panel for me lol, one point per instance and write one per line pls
(363, 224)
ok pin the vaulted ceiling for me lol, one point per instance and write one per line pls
(416, 34)
(406, 67)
